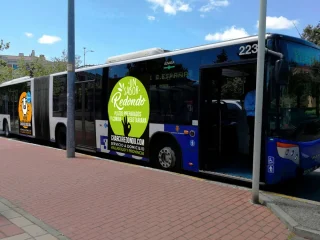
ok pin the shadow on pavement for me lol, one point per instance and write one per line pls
(306, 187)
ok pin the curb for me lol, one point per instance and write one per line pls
(35, 220)
(293, 226)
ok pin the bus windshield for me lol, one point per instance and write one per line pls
(298, 101)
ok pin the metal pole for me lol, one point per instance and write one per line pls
(259, 102)
(71, 80)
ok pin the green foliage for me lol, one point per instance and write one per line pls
(37, 67)
(312, 33)
(3, 45)
(60, 63)
(2, 63)
(5, 72)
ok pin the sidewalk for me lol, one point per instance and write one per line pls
(300, 215)
(16, 224)
(86, 198)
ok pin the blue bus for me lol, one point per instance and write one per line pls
(189, 109)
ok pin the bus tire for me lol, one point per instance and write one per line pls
(6, 129)
(61, 137)
(166, 155)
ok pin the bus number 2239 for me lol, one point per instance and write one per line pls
(248, 49)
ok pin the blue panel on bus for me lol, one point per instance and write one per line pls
(310, 155)
(187, 137)
(285, 158)
(278, 168)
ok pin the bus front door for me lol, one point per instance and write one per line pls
(85, 115)
(209, 118)
(223, 124)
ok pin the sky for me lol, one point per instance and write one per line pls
(113, 27)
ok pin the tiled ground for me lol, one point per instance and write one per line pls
(89, 199)
(14, 226)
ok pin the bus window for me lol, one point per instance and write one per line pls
(60, 96)
(299, 102)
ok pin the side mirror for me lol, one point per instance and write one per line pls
(282, 72)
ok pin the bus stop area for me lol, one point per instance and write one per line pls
(46, 196)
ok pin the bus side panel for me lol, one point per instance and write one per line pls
(188, 144)
(279, 166)
(4, 106)
(41, 108)
(310, 155)
(57, 102)
(102, 141)
(2, 118)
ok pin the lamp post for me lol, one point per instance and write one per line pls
(259, 102)
(84, 55)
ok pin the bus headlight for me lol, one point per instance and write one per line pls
(289, 151)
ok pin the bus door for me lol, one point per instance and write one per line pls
(85, 114)
(223, 125)
(209, 117)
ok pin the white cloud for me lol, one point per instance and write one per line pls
(213, 4)
(46, 39)
(230, 33)
(278, 23)
(151, 18)
(202, 15)
(184, 8)
(171, 7)
(29, 35)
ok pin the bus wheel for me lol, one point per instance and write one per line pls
(167, 157)
(61, 137)
(6, 129)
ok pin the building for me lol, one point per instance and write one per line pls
(12, 60)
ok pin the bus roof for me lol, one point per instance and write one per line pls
(137, 54)
(154, 53)
(167, 53)
(16, 80)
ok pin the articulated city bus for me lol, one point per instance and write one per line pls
(184, 109)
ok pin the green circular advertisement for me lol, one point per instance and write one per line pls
(129, 108)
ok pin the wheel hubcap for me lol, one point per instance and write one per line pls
(165, 158)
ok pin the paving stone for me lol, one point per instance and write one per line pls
(4, 221)
(21, 221)
(23, 236)
(11, 230)
(3, 207)
(10, 214)
(46, 237)
(34, 230)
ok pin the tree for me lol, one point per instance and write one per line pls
(39, 66)
(60, 63)
(5, 72)
(312, 33)
(4, 46)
